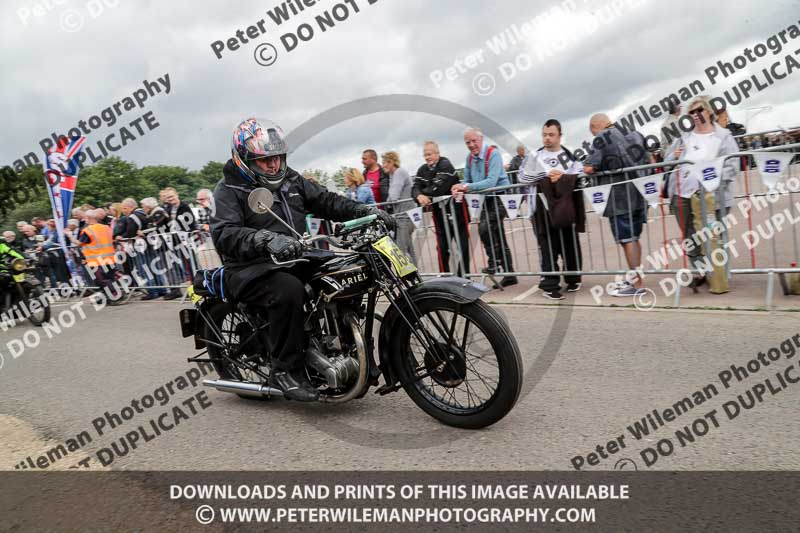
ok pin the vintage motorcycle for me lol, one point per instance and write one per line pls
(453, 354)
(18, 288)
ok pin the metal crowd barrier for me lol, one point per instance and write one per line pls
(495, 245)
(604, 258)
(156, 262)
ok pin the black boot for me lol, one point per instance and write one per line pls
(508, 281)
(293, 388)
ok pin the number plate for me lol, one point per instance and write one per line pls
(401, 262)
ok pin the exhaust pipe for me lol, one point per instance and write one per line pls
(254, 390)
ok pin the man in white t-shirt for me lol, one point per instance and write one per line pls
(559, 217)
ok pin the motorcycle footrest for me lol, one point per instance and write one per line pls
(387, 389)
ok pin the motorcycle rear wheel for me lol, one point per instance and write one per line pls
(481, 382)
(234, 329)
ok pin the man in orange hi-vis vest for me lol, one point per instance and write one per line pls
(97, 244)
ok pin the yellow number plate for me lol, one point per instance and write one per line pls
(192, 296)
(401, 262)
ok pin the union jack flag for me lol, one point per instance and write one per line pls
(61, 172)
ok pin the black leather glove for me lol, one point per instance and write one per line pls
(366, 210)
(284, 248)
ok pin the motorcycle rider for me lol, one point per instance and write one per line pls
(6, 253)
(248, 242)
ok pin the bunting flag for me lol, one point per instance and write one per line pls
(543, 198)
(314, 224)
(709, 173)
(650, 188)
(598, 197)
(416, 216)
(512, 204)
(531, 201)
(772, 166)
(474, 205)
(61, 177)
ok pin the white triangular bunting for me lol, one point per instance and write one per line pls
(512, 204)
(474, 205)
(650, 188)
(598, 197)
(313, 226)
(772, 166)
(709, 173)
(544, 201)
(416, 216)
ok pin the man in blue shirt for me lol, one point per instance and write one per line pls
(484, 170)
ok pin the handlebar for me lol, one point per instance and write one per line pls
(358, 222)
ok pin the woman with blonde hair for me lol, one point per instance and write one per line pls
(705, 142)
(356, 187)
(400, 189)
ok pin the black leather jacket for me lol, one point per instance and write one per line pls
(435, 181)
(234, 225)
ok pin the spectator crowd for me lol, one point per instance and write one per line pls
(551, 180)
(95, 237)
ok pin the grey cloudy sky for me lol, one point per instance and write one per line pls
(66, 60)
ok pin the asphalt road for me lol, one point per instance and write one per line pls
(590, 372)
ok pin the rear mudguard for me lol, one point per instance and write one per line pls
(458, 290)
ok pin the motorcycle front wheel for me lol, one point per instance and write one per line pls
(42, 315)
(482, 378)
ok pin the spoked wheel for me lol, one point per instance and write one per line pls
(42, 313)
(482, 378)
(234, 329)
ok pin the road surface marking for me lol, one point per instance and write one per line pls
(525, 294)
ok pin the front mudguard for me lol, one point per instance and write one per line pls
(458, 290)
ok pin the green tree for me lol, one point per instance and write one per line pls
(208, 176)
(110, 180)
(338, 177)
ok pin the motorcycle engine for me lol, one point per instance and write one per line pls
(338, 370)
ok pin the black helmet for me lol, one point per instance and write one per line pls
(254, 139)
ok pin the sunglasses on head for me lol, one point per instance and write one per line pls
(697, 110)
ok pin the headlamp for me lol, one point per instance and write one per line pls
(18, 265)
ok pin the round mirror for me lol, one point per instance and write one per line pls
(260, 200)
